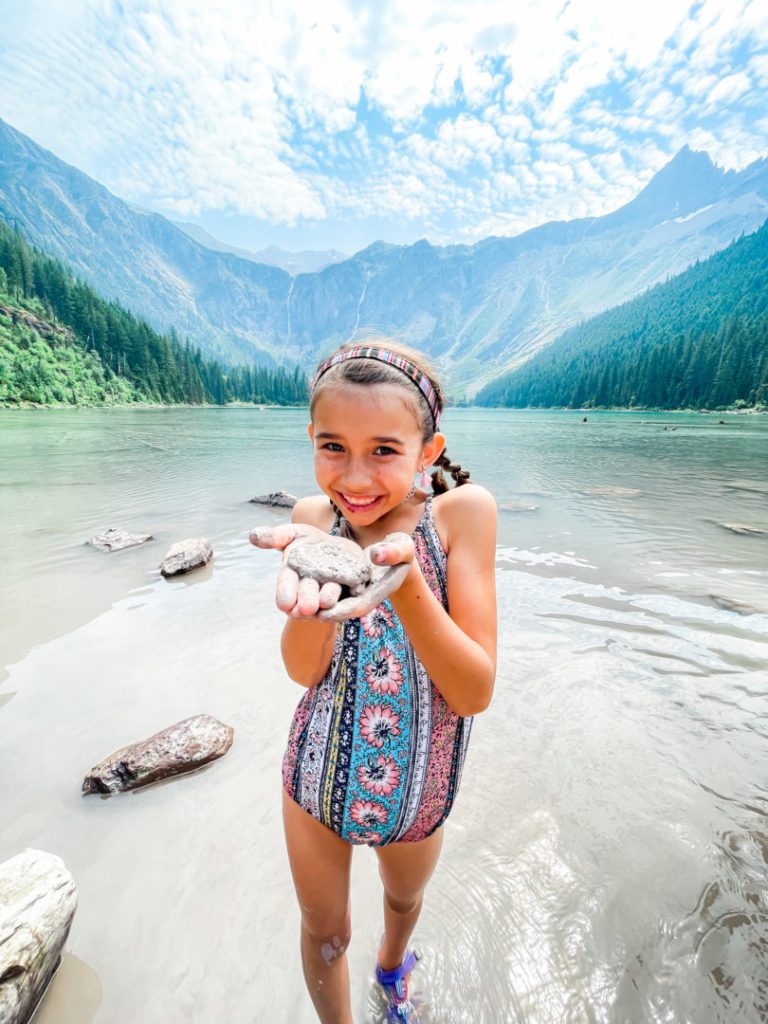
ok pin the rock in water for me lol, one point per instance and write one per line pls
(278, 499)
(37, 903)
(743, 529)
(516, 506)
(185, 556)
(730, 604)
(116, 540)
(180, 748)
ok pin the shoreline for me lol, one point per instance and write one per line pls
(263, 406)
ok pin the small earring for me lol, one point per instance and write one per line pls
(424, 481)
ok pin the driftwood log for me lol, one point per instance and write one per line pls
(277, 499)
(185, 556)
(37, 903)
(180, 748)
(116, 540)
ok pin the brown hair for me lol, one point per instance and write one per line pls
(373, 371)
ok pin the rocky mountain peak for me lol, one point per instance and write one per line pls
(689, 181)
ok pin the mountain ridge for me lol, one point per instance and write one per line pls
(478, 309)
(305, 261)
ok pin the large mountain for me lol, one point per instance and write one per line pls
(698, 340)
(479, 309)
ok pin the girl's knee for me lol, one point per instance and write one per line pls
(330, 944)
(328, 933)
(403, 903)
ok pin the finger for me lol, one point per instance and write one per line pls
(287, 589)
(329, 594)
(309, 596)
(277, 537)
(378, 590)
(395, 548)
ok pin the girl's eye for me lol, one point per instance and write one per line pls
(332, 446)
(384, 449)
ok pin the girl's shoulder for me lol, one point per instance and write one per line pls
(314, 511)
(465, 512)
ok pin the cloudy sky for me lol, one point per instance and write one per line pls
(339, 122)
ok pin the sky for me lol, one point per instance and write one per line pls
(335, 124)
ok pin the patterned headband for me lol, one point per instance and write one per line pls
(384, 355)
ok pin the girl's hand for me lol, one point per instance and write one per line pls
(299, 598)
(392, 559)
(302, 597)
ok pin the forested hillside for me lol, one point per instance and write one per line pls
(480, 309)
(700, 340)
(60, 343)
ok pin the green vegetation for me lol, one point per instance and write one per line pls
(700, 340)
(60, 343)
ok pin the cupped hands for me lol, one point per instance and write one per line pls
(330, 578)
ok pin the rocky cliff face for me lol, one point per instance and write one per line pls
(476, 309)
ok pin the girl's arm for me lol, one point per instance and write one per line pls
(458, 650)
(307, 645)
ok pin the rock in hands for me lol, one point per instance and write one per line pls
(332, 578)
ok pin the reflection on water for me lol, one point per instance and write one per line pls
(74, 994)
(607, 856)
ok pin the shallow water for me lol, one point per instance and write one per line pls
(607, 856)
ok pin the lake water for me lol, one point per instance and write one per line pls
(607, 857)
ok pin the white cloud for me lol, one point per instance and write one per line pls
(483, 114)
(730, 88)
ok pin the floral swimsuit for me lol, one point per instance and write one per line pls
(374, 752)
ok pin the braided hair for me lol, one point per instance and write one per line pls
(460, 476)
(372, 371)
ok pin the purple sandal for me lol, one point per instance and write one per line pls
(396, 987)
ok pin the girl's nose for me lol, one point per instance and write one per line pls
(357, 474)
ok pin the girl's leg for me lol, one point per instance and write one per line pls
(320, 863)
(405, 869)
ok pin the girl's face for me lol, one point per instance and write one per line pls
(368, 446)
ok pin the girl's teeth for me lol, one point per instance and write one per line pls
(360, 504)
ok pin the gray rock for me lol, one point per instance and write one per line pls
(730, 604)
(116, 540)
(742, 528)
(516, 506)
(180, 748)
(336, 560)
(385, 579)
(614, 492)
(185, 556)
(755, 486)
(278, 499)
(37, 903)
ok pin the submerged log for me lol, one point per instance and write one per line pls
(179, 748)
(277, 499)
(185, 556)
(116, 540)
(37, 903)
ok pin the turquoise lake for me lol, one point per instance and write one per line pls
(607, 856)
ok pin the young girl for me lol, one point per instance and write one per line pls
(377, 742)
